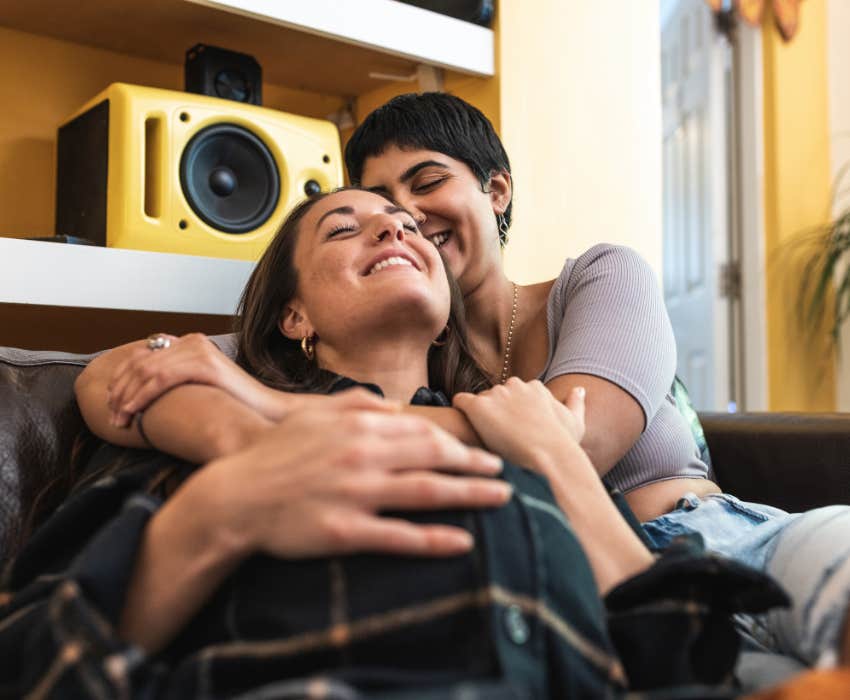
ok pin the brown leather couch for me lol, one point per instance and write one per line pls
(793, 461)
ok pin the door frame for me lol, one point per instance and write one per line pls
(748, 220)
(748, 316)
(707, 82)
(838, 63)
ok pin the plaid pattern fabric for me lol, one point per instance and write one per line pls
(518, 617)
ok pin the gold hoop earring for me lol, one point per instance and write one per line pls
(443, 338)
(308, 347)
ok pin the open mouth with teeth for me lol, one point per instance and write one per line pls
(439, 239)
(389, 262)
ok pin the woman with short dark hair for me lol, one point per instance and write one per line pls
(602, 324)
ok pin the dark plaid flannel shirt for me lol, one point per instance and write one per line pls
(519, 617)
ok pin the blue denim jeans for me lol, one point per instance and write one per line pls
(807, 553)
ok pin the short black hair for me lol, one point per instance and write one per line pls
(433, 121)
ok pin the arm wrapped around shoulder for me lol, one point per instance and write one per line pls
(614, 325)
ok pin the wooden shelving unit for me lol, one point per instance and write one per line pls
(333, 51)
(332, 47)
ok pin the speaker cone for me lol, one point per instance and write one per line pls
(229, 178)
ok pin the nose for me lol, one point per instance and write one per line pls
(389, 228)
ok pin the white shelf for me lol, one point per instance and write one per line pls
(331, 47)
(386, 26)
(58, 274)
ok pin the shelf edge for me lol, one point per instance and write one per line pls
(58, 274)
(382, 25)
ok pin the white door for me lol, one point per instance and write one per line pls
(695, 65)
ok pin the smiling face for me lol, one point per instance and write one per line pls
(452, 209)
(364, 271)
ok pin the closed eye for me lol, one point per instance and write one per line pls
(339, 230)
(428, 184)
(413, 228)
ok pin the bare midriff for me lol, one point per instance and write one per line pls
(660, 497)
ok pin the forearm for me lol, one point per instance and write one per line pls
(182, 561)
(451, 420)
(201, 423)
(191, 421)
(127, 379)
(615, 552)
(92, 392)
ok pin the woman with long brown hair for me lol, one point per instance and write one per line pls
(204, 582)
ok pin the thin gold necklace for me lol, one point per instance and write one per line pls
(507, 363)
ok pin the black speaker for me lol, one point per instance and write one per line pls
(475, 11)
(210, 70)
(82, 160)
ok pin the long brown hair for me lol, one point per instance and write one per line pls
(270, 356)
(279, 362)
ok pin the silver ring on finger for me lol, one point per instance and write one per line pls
(158, 341)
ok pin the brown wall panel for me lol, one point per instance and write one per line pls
(37, 327)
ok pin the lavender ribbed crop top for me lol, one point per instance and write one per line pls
(606, 317)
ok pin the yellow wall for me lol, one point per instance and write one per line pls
(581, 120)
(797, 198)
(44, 81)
(577, 103)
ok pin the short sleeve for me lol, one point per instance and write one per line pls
(227, 343)
(607, 318)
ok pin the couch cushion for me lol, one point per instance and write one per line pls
(39, 422)
(794, 461)
(39, 426)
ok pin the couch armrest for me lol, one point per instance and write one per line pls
(794, 461)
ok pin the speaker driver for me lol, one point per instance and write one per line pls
(232, 85)
(229, 178)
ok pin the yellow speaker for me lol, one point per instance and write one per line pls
(181, 173)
